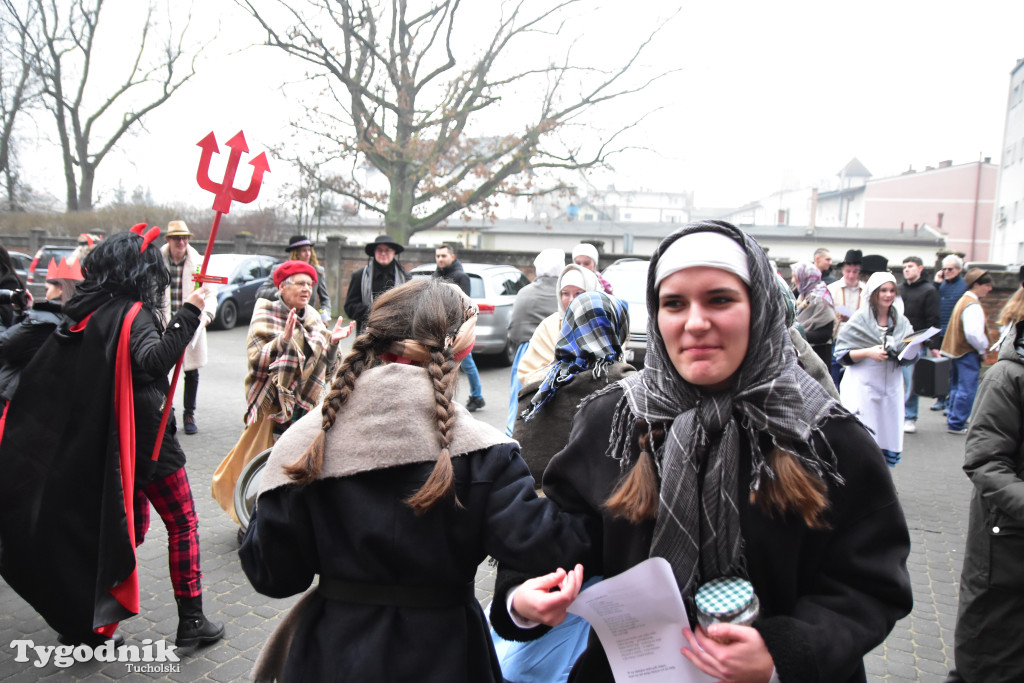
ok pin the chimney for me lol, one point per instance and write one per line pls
(814, 211)
(946, 164)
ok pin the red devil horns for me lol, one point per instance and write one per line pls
(148, 236)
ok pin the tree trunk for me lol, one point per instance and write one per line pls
(399, 220)
(85, 187)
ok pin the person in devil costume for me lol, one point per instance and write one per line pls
(74, 501)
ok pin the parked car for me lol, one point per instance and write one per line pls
(245, 274)
(628, 278)
(493, 288)
(35, 280)
(21, 264)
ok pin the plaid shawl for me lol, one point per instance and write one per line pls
(286, 381)
(594, 329)
(698, 524)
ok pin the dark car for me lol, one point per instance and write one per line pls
(21, 264)
(36, 277)
(493, 288)
(628, 278)
(245, 274)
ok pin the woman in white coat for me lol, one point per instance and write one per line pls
(869, 346)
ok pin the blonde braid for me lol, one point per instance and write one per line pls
(443, 373)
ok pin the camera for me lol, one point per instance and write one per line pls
(16, 297)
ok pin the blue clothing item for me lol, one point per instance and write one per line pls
(836, 370)
(514, 385)
(910, 405)
(549, 658)
(967, 369)
(892, 458)
(476, 390)
(950, 292)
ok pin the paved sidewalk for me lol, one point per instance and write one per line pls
(932, 487)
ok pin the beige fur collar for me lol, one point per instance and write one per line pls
(389, 420)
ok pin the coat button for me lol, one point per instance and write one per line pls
(995, 530)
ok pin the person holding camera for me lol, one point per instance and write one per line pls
(869, 345)
(13, 298)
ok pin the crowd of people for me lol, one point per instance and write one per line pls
(752, 446)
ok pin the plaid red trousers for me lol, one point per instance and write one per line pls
(172, 498)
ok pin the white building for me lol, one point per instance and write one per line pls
(1008, 216)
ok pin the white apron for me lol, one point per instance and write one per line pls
(874, 392)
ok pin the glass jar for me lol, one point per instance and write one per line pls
(727, 600)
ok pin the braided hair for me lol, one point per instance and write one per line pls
(426, 311)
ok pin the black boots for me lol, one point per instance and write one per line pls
(193, 626)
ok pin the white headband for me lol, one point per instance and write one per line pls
(709, 249)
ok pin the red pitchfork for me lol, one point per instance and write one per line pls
(225, 193)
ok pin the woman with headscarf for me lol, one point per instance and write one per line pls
(292, 356)
(573, 281)
(869, 346)
(534, 302)
(394, 495)
(728, 460)
(588, 358)
(814, 309)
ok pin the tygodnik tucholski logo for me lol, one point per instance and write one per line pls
(150, 657)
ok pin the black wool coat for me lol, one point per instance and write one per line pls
(358, 529)
(827, 596)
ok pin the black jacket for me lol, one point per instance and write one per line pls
(828, 596)
(383, 280)
(920, 304)
(454, 273)
(20, 341)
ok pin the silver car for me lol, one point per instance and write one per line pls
(493, 288)
(628, 278)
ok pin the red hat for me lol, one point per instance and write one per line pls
(289, 268)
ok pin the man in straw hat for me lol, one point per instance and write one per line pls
(382, 272)
(183, 261)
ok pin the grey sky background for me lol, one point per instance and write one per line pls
(769, 95)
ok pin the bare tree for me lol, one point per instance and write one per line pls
(19, 86)
(92, 119)
(397, 99)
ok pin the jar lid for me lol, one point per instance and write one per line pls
(726, 595)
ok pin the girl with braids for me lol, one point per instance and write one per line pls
(394, 494)
(725, 458)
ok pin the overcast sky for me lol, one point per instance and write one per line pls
(769, 95)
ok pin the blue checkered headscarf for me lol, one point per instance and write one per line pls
(594, 329)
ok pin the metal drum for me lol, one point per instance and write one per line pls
(248, 486)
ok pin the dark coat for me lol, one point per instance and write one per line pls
(547, 432)
(989, 647)
(920, 305)
(374, 537)
(827, 596)
(383, 280)
(456, 274)
(7, 314)
(20, 341)
(533, 303)
(63, 526)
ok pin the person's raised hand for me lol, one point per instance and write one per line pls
(197, 297)
(730, 653)
(341, 331)
(537, 599)
(289, 327)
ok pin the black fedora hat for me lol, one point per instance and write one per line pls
(383, 239)
(297, 241)
(853, 257)
(874, 263)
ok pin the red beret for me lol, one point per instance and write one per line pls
(289, 268)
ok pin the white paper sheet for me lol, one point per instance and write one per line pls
(916, 340)
(639, 617)
(844, 311)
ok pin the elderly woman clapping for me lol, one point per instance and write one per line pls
(292, 356)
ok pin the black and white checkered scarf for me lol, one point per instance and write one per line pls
(698, 524)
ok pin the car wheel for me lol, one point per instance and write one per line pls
(227, 315)
(509, 353)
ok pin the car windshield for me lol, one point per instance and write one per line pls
(629, 284)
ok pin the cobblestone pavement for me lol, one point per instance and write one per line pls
(932, 487)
